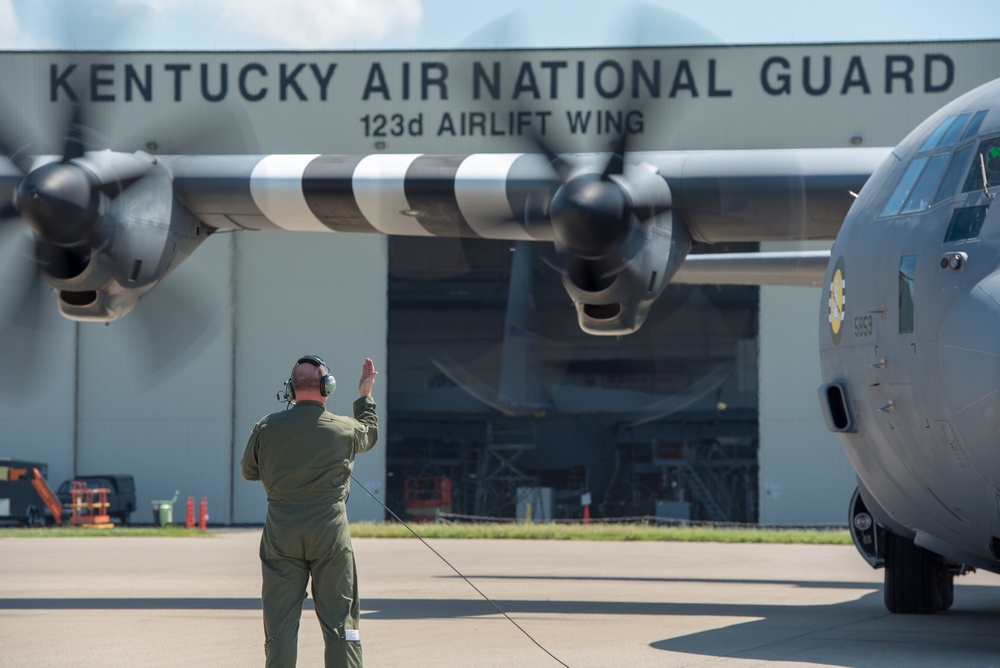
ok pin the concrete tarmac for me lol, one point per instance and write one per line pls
(195, 602)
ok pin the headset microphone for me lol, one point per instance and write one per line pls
(327, 384)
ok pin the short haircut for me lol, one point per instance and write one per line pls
(306, 376)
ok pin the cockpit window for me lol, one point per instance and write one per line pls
(932, 141)
(989, 149)
(903, 188)
(934, 174)
(955, 131)
(973, 128)
(965, 223)
(951, 130)
(956, 172)
(920, 198)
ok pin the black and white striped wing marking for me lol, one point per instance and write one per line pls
(480, 195)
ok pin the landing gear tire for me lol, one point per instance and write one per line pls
(917, 582)
(949, 592)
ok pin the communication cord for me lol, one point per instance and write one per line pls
(469, 582)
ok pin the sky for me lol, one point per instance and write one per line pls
(445, 24)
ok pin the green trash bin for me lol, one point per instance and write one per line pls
(163, 511)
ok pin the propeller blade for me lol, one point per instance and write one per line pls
(180, 315)
(616, 162)
(560, 165)
(116, 171)
(668, 405)
(644, 23)
(18, 273)
(482, 392)
(23, 342)
(553, 264)
(22, 297)
(16, 138)
(73, 147)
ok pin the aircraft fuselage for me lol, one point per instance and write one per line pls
(909, 326)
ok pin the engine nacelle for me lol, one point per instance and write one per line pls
(613, 293)
(97, 305)
(144, 233)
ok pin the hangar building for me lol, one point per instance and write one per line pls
(170, 392)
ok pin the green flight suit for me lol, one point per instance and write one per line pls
(304, 457)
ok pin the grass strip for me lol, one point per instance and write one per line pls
(604, 532)
(514, 531)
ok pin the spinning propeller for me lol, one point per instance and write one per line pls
(617, 242)
(81, 211)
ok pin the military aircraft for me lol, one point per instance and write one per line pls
(909, 361)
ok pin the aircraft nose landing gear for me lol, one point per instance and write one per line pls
(917, 581)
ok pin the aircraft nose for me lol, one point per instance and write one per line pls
(969, 353)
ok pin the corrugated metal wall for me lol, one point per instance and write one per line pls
(320, 294)
(804, 475)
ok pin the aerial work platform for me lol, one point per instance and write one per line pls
(89, 506)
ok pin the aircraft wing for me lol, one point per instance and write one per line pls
(767, 195)
(721, 196)
(108, 226)
(805, 268)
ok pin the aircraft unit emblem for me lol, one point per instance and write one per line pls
(838, 301)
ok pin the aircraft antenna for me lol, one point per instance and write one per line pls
(986, 183)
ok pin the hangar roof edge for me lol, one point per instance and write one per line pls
(645, 47)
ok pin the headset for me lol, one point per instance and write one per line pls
(327, 384)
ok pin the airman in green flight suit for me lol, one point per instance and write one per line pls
(304, 457)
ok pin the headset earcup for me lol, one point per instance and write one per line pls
(328, 385)
(289, 390)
